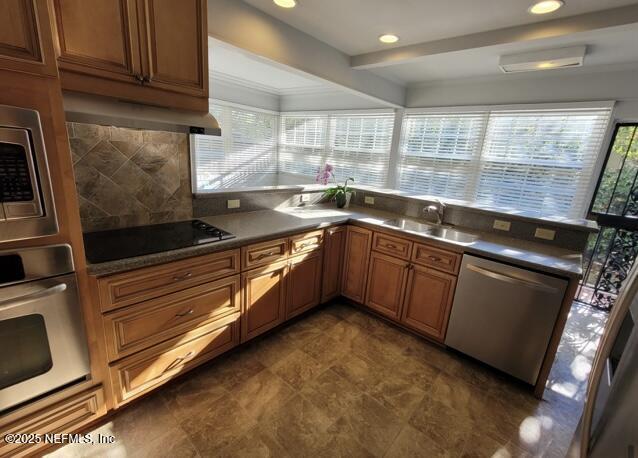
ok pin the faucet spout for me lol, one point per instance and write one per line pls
(436, 210)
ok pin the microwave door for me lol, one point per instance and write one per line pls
(19, 189)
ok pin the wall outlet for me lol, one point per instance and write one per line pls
(305, 198)
(369, 200)
(547, 234)
(501, 225)
(233, 203)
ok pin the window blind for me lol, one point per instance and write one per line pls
(245, 154)
(357, 145)
(538, 161)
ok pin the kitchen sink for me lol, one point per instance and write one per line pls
(439, 232)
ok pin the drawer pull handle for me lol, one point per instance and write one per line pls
(177, 361)
(265, 255)
(392, 247)
(434, 258)
(183, 314)
(184, 276)
(302, 246)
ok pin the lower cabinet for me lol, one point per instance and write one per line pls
(64, 417)
(264, 291)
(355, 263)
(303, 283)
(334, 245)
(428, 300)
(386, 284)
(148, 369)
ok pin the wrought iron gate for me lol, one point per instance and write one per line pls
(611, 253)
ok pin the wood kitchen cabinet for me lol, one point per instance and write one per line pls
(303, 283)
(355, 267)
(334, 245)
(264, 304)
(428, 300)
(25, 37)
(386, 284)
(147, 51)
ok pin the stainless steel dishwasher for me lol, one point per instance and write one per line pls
(504, 315)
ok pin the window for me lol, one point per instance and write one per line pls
(244, 156)
(538, 161)
(358, 145)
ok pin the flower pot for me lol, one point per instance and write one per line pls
(343, 199)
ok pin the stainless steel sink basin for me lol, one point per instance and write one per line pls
(440, 232)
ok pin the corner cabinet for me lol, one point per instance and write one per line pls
(355, 264)
(147, 51)
(334, 246)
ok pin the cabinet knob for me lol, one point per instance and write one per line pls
(435, 258)
(184, 276)
(139, 78)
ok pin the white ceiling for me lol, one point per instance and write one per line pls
(354, 25)
(611, 46)
(241, 67)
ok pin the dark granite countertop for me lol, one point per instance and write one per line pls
(251, 227)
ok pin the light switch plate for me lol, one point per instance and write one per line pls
(233, 203)
(369, 200)
(546, 234)
(501, 225)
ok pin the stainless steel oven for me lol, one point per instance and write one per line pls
(43, 346)
(26, 203)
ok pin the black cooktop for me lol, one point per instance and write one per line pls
(116, 244)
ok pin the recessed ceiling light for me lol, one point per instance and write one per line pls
(286, 3)
(388, 38)
(545, 6)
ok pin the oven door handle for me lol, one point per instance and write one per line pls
(16, 301)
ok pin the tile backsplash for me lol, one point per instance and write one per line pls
(128, 177)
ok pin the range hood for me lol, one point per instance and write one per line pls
(107, 111)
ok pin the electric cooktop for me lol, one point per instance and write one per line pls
(110, 245)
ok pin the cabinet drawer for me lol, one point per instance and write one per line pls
(304, 243)
(264, 253)
(64, 417)
(143, 371)
(443, 260)
(143, 284)
(142, 325)
(393, 246)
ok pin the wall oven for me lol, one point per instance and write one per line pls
(26, 203)
(43, 346)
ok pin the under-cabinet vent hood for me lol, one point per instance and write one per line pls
(106, 111)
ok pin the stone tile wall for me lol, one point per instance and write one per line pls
(128, 177)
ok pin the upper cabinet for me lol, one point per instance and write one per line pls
(174, 37)
(25, 37)
(147, 51)
(99, 37)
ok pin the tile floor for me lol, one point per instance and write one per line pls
(341, 382)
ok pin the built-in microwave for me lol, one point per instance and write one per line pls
(26, 203)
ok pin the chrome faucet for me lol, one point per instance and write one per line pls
(437, 210)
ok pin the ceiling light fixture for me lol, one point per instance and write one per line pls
(545, 6)
(388, 38)
(286, 3)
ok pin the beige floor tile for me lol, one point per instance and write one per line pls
(412, 443)
(262, 393)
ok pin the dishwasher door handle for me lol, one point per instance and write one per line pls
(512, 280)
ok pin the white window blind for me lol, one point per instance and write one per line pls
(537, 161)
(357, 145)
(245, 155)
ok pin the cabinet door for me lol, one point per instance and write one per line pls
(304, 283)
(355, 268)
(99, 38)
(175, 43)
(335, 242)
(264, 299)
(386, 284)
(25, 37)
(428, 301)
